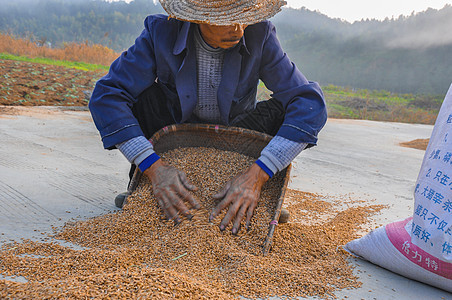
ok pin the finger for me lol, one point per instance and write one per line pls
(168, 206)
(180, 206)
(217, 209)
(176, 219)
(168, 209)
(238, 219)
(249, 215)
(186, 182)
(223, 192)
(165, 211)
(185, 195)
(232, 212)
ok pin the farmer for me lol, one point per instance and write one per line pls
(202, 64)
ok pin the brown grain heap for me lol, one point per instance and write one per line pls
(420, 144)
(135, 254)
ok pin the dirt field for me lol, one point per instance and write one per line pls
(31, 84)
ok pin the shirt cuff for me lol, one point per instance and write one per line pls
(148, 162)
(140, 158)
(265, 168)
(136, 149)
(280, 152)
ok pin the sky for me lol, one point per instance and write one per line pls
(355, 10)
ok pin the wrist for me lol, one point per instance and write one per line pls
(151, 172)
(264, 168)
(262, 176)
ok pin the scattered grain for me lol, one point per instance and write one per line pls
(135, 254)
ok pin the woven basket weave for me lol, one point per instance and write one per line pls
(240, 140)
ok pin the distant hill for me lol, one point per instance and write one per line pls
(113, 24)
(407, 55)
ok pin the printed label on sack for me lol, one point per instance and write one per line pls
(431, 228)
(400, 235)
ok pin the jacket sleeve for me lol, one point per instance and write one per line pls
(305, 108)
(115, 93)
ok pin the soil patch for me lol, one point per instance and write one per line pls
(32, 84)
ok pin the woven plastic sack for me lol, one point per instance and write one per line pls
(420, 247)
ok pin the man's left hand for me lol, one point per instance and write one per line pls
(241, 194)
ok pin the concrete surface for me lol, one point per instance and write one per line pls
(53, 169)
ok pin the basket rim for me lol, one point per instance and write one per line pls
(209, 128)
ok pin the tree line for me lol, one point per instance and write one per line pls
(406, 54)
(111, 24)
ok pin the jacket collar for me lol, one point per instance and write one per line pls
(182, 40)
(243, 45)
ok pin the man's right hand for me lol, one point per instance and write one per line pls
(171, 188)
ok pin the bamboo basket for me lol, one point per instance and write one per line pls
(241, 140)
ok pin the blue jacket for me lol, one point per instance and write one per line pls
(165, 52)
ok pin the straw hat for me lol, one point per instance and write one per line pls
(222, 12)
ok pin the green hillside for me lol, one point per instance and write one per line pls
(375, 105)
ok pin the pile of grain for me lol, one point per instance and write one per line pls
(420, 144)
(136, 254)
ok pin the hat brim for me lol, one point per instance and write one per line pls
(222, 13)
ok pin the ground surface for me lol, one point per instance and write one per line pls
(53, 170)
(31, 84)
